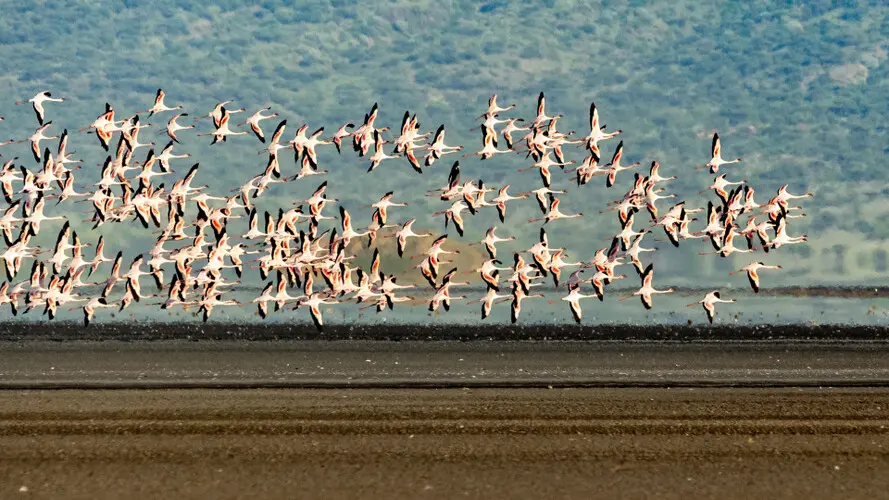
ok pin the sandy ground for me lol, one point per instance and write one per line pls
(445, 443)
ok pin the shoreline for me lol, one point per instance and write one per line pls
(61, 331)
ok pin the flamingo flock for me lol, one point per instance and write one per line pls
(306, 254)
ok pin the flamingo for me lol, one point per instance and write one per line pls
(348, 232)
(438, 148)
(37, 103)
(313, 302)
(489, 142)
(207, 304)
(38, 136)
(716, 161)
(491, 121)
(262, 302)
(379, 155)
(406, 232)
(443, 296)
(436, 250)
(544, 164)
(453, 214)
(719, 185)
(752, 271)
(614, 167)
(783, 196)
(589, 168)
(167, 155)
(781, 237)
(384, 204)
(490, 298)
(554, 212)
(222, 131)
(218, 112)
(341, 134)
(489, 272)
(597, 132)
(511, 128)
(173, 127)
(728, 247)
(131, 138)
(15, 252)
(518, 295)
(493, 108)
(311, 143)
(159, 105)
(573, 299)
(652, 196)
(541, 112)
(709, 301)
(89, 309)
(556, 264)
(603, 278)
(490, 240)
(9, 298)
(654, 174)
(541, 195)
(254, 120)
(36, 216)
(502, 198)
(646, 291)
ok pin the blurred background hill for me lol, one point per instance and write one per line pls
(799, 91)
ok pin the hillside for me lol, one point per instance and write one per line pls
(798, 92)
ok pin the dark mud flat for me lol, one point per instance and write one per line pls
(114, 364)
(147, 331)
(410, 444)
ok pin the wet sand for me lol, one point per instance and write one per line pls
(445, 443)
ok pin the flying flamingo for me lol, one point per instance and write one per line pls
(490, 298)
(222, 131)
(716, 161)
(406, 232)
(752, 271)
(489, 142)
(37, 103)
(709, 301)
(647, 290)
(173, 127)
(573, 299)
(38, 136)
(159, 105)
(493, 108)
(254, 120)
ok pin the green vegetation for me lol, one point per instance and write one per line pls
(800, 92)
